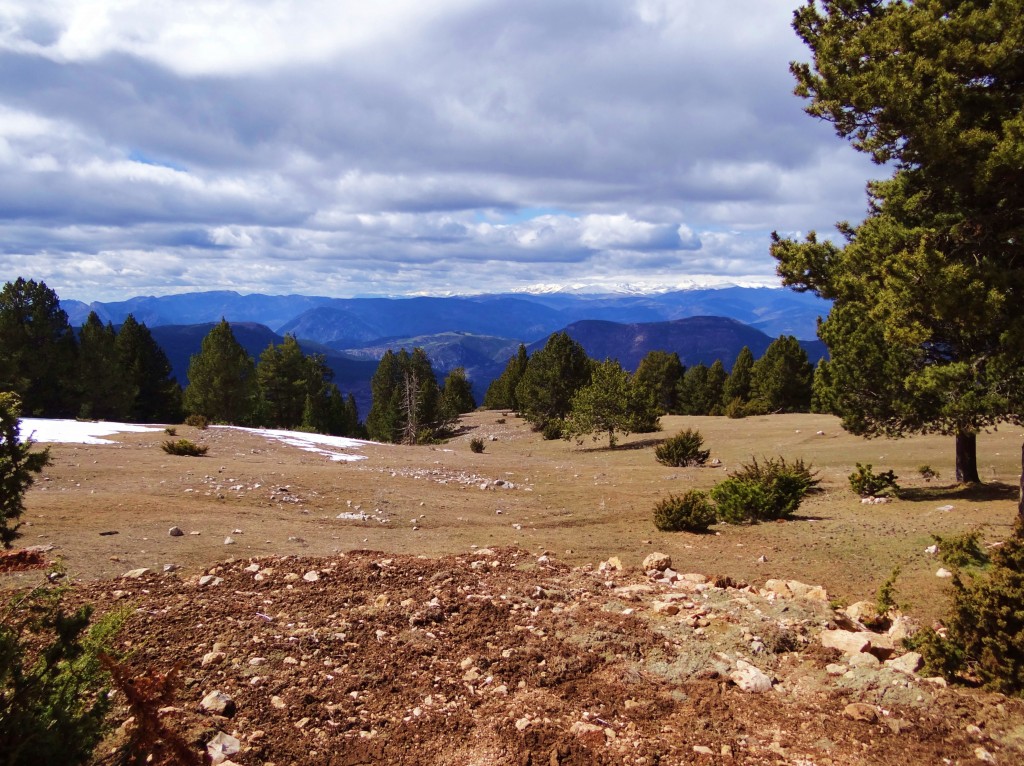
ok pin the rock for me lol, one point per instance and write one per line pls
(176, 532)
(750, 679)
(229, 540)
(703, 750)
(218, 703)
(633, 592)
(614, 564)
(864, 612)
(311, 576)
(277, 702)
(902, 627)
(865, 660)
(135, 574)
(657, 561)
(171, 567)
(943, 572)
(845, 641)
(835, 669)
(984, 755)
(665, 607)
(908, 663)
(522, 724)
(210, 580)
(588, 733)
(221, 746)
(213, 658)
(861, 711)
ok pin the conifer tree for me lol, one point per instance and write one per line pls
(501, 393)
(737, 385)
(222, 378)
(37, 349)
(17, 464)
(149, 373)
(457, 394)
(552, 376)
(660, 373)
(780, 381)
(105, 389)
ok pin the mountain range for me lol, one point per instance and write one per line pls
(477, 332)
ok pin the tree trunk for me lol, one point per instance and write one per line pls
(967, 458)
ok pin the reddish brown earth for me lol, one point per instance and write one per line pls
(523, 652)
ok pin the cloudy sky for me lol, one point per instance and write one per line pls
(358, 147)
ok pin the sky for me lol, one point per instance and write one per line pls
(400, 147)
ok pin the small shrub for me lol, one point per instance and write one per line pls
(52, 688)
(184, 448)
(553, 429)
(985, 625)
(197, 421)
(867, 483)
(762, 491)
(476, 445)
(690, 513)
(683, 449)
(735, 408)
(959, 551)
(886, 599)
(927, 473)
(500, 421)
(171, 431)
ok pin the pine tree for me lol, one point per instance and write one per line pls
(552, 376)
(717, 377)
(501, 394)
(695, 392)
(149, 373)
(780, 381)
(925, 332)
(37, 349)
(222, 378)
(384, 421)
(660, 373)
(737, 385)
(406, 404)
(457, 394)
(105, 389)
(17, 464)
(285, 384)
(602, 405)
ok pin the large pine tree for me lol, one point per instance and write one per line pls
(105, 390)
(149, 372)
(221, 378)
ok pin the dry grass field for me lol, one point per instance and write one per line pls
(585, 503)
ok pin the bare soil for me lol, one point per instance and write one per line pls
(458, 613)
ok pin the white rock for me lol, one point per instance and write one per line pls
(221, 746)
(229, 540)
(750, 679)
(135, 574)
(845, 641)
(657, 561)
(311, 576)
(943, 572)
(908, 663)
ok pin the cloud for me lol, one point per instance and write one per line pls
(341, 147)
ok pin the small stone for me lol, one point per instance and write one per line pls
(522, 724)
(213, 658)
(835, 669)
(221, 746)
(703, 750)
(588, 733)
(311, 576)
(860, 711)
(277, 702)
(135, 574)
(210, 580)
(657, 561)
(614, 564)
(218, 703)
(171, 567)
(984, 755)
(229, 540)
(943, 573)
(865, 660)
(176, 532)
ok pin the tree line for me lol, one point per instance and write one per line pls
(564, 393)
(108, 373)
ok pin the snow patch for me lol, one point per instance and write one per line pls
(74, 431)
(318, 443)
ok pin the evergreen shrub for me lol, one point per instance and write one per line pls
(184, 448)
(763, 491)
(985, 625)
(683, 449)
(867, 483)
(692, 512)
(476, 445)
(197, 421)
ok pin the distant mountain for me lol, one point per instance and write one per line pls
(353, 322)
(695, 339)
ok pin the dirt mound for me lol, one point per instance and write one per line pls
(506, 657)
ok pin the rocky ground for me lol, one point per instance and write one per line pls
(506, 657)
